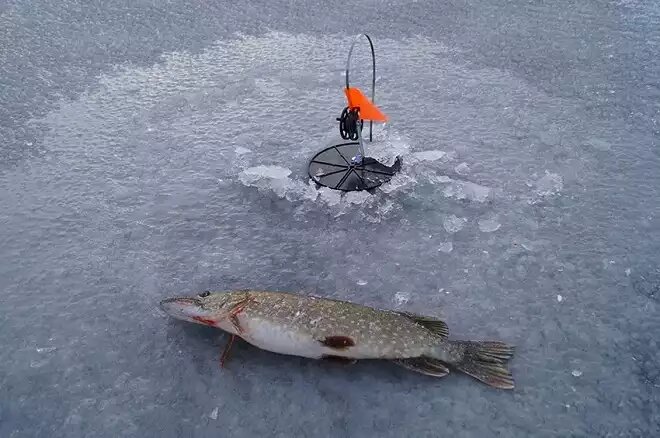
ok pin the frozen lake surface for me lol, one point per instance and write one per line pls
(150, 149)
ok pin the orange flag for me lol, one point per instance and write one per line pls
(368, 111)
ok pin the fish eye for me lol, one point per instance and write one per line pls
(204, 294)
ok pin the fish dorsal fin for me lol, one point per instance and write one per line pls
(434, 325)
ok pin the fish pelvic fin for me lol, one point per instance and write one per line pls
(424, 365)
(434, 325)
(485, 361)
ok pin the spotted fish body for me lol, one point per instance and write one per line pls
(319, 328)
(312, 327)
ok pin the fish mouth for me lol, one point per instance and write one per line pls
(184, 308)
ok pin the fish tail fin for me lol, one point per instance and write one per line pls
(485, 361)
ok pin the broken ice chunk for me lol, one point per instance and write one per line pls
(454, 223)
(430, 155)
(446, 247)
(462, 169)
(401, 297)
(489, 225)
(549, 184)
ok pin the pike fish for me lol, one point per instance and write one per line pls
(322, 328)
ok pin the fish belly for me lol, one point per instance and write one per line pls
(281, 339)
(294, 341)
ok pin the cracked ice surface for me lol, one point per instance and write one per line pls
(149, 152)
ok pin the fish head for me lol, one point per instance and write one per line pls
(205, 308)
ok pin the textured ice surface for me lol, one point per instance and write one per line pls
(445, 247)
(149, 149)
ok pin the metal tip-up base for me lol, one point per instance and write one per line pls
(341, 167)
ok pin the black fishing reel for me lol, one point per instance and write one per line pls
(348, 123)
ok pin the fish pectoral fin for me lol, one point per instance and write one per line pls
(424, 365)
(434, 325)
(337, 342)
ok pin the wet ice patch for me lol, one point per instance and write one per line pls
(453, 223)
(599, 144)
